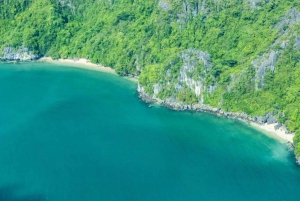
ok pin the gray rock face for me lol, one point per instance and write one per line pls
(272, 120)
(278, 126)
(191, 58)
(291, 17)
(21, 54)
(268, 60)
(137, 64)
(212, 88)
(262, 64)
(255, 3)
(297, 42)
(172, 103)
(188, 77)
(68, 3)
(194, 66)
(190, 9)
(268, 118)
(156, 89)
(164, 5)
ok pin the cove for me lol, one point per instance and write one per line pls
(74, 134)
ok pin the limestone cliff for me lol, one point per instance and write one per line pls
(20, 54)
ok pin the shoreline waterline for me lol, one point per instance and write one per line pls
(274, 130)
(63, 128)
(267, 129)
(84, 64)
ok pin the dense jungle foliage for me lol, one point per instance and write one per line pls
(145, 37)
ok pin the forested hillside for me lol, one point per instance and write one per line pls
(238, 55)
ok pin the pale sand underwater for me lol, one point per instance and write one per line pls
(270, 130)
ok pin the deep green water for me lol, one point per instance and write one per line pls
(68, 134)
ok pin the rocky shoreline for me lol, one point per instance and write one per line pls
(174, 105)
(20, 54)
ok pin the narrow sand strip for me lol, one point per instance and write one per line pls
(80, 63)
(270, 130)
(85, 64)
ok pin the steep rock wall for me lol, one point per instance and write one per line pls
(20, 54)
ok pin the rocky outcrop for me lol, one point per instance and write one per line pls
(21, 54)
(189, 70)
(164, 5)
(267, 62)
(187, 9)
(212, 88)
(195, 64)
(190, 10)
(191, 58)
(262, 64)
(297, 42)
(173, 104)
(67, 3)
(267, 118)
(290, 18)
(255, 3)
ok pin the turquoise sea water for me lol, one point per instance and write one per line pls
(68, 134)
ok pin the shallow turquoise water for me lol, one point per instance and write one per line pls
(72, 134)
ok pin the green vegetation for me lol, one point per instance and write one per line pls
(145, 38)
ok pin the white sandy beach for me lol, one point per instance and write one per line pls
(80, 63)
(270, 130)
(85, 64)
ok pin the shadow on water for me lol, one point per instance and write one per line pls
(11, 193)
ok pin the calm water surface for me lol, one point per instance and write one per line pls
(68, 134)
